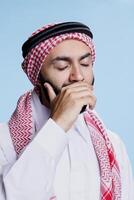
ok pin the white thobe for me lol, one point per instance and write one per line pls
(57, 163)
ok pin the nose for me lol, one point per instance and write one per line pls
(76, 74)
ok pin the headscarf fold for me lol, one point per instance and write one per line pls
(21, 124)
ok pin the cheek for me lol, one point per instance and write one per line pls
(58, 80)
(88, 75)
(60, 76)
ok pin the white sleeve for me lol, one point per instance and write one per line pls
(127, 178)
(31, 176)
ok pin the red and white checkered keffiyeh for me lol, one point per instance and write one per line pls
(22, 128)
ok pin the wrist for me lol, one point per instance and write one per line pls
(60, 123)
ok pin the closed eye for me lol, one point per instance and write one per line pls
(85, 65)
(63, 68)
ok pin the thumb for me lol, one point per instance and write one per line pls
(50, 90)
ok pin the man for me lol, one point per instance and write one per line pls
(55, 146)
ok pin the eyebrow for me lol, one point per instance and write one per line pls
(67, 59)
(85, 56)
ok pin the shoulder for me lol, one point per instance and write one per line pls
(115, 138)
(118, 144)
(121, 154)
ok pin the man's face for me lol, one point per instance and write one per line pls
(69, 62)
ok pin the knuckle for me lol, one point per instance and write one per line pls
(68, 91)
(74, 102)
(71, 96)
(72, 99)
(62, 89)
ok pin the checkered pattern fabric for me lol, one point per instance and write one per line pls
(110, 185)
(22, 128)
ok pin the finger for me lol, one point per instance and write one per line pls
(90, 101)
(50, 90)
(75, 84)
(85, 98)
(78, 86)
(81, 95)
(78, 92)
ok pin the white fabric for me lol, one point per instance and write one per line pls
(57, 163)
